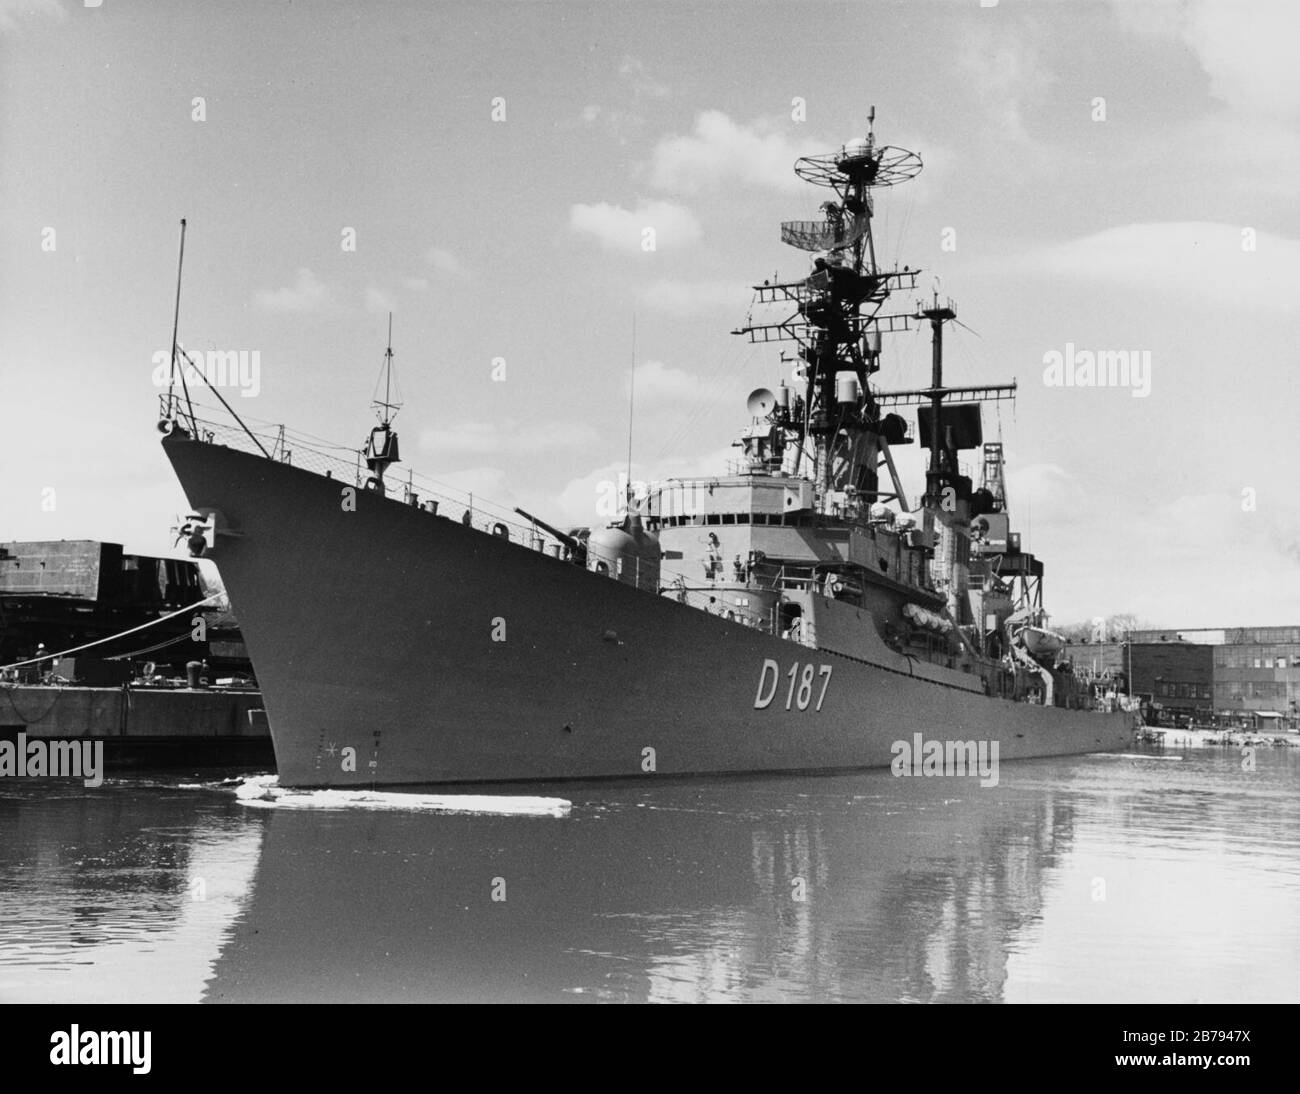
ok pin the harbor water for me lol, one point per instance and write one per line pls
(1166, 876)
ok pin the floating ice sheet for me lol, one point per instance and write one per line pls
(265, 792)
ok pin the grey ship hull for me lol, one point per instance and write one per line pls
(377, 631)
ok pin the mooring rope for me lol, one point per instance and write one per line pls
(113, 637)
(149, 649)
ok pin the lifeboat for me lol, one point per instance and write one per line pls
(1041, 642)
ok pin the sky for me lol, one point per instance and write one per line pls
(1098, 177)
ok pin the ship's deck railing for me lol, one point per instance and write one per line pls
(348, 466)
(799, 578)
(708, 601)
(758, 578)
(749, 465)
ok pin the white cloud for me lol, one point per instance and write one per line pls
(685, 299)
(1252, 156)
(1070, 521)
(1003, 71)
(660, 385)
(1195, 259)
(507, 436)
(620, 229)
(1195, 533)
(719, 150)
(306, 294)
(445, 262)
(1046, 489)
(592, 499)
(1247, 49)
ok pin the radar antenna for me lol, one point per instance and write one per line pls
(838, 319)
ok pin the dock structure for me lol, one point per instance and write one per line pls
(143, 726)
(98, 644)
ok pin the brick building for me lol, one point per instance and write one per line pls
(1245, 675)
(1168, 673)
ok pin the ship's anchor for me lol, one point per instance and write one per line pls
(200, 530)
(197, 534)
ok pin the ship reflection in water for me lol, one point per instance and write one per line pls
(1086, 878)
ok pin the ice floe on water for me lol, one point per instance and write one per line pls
(1230, 738)
(1130, 756)
(265, 792)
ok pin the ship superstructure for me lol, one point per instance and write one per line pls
(814, 528)
(795, 613)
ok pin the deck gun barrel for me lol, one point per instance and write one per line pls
(568, 541)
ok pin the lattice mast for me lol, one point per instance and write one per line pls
(994, 479)
(837, 324)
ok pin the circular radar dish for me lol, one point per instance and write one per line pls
(760, 402)
(884, 166)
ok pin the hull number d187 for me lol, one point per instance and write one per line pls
(800, 691)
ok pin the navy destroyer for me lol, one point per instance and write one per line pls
(800, 612)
